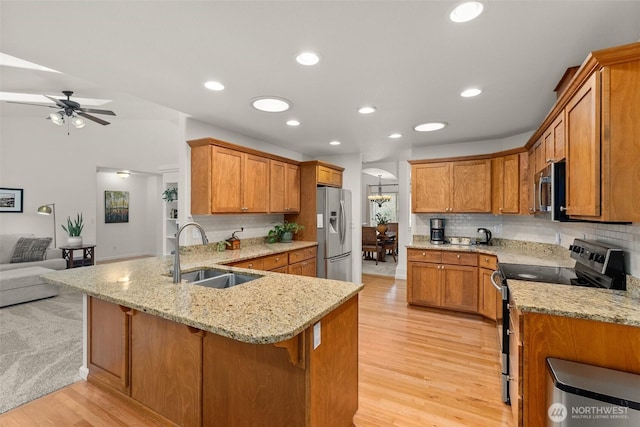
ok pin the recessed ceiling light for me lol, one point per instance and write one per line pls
(395, 135)
(469, 93)
(308, 58)
(430, 127)
(293, 123)
(335, 143)
(213, 85)
(466, 11)
(271, 104)
(366, 110)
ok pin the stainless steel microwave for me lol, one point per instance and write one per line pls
(550, 193)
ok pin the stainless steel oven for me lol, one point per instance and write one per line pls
(597, 265)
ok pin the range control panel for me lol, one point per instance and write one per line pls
(596, 255)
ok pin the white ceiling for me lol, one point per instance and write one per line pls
(404, 57)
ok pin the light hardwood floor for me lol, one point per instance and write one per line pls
(418, 367)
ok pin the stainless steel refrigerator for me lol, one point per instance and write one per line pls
(334, 233)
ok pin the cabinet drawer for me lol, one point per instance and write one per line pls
(460, 258)
(424, 255)
(255, 264)
(275, 261)
(301, 255)
(488, 261)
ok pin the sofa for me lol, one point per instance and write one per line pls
(21, 264)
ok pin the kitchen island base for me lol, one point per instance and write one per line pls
(192, 377)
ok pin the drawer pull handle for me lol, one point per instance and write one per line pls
(424, 254)
(458, 256)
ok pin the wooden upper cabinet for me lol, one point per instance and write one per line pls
(255, 184)
(471, 186)
(506, 184)
(583, 150)
(554, 140)
(328, 176)
(541, 159)
(226, 178)
(463, 186)
(431, 186)
(285, 187)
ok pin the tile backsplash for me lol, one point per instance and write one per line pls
(220, 227)
(627, 237)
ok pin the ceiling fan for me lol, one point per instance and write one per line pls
(71, 110)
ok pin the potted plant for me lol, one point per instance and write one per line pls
(382, 221)
(283, 232)
(170, 194)
(74, 229)
(222, 245)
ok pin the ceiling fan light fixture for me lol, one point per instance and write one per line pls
(77, 122)
(57, 118)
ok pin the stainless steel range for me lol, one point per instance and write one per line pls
(597, 265)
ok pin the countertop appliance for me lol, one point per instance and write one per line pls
(549, 193)
(484, 237)
(334, 233)
(437, 231)
(597, 265)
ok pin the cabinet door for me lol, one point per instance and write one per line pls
(166, 366)
(292, 188)
(255, 185)
(511, 184)
(531, 181)
(583, 150)
(108, 352)
(558, 137)
(431, 186)
(423, 284)
(471, 186)
(226, 180)
(460, 287)
(329, 176)
(489, 299)
(541, 159)
(304, 268)
(497, 189)
(277, 186)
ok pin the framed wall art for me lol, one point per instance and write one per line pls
(116, 206)
(11, 199)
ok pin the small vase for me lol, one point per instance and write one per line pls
(286, 237)
(74, 241)
(382, 228)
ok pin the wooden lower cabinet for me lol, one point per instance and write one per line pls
(301, 262)
(448, 280)
(285, 384)
(196, 378)
(516, 365)
(489, 302)
(166, 368)
(108, 343)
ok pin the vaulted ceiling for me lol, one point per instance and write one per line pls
(406, 58)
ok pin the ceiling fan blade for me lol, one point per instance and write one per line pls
(31, 103)
(58, 102)
(95, 119)
(94, 111)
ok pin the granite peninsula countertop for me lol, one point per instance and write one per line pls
(267, 310)
(622, 307)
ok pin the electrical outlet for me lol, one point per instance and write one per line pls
(558, 238)
(195, 233)
(497, 228)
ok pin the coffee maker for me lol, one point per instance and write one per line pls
(437, 231)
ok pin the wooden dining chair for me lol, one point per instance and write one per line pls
(370, 242)
(392, 227)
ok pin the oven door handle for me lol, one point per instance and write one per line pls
(493, 281)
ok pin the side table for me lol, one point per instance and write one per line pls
(88, 255)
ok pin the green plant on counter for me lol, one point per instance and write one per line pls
(74, 228)
(170, 194)
(222, 245)
(277, 232)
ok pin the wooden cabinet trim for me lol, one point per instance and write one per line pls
(295, 348)
(203, 142)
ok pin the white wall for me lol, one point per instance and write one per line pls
(470, 148)
(139, 235)
(53, 167)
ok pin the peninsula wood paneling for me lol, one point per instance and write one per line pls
(595, 343)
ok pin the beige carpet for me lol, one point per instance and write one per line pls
(40, 347)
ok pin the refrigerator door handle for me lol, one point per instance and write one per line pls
(343, 220)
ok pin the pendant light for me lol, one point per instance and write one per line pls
(379, 198)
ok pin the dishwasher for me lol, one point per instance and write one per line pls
(580, 395)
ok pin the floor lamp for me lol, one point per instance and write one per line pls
(48, 210)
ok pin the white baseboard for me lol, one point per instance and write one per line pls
(401, 272)
(83, 372)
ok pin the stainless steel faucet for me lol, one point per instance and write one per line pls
(177, 273)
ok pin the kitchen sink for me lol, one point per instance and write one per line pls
(218, 279)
